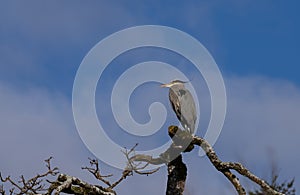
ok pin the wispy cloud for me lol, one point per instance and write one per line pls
(35, 124)
(262, 115)
(262, 124)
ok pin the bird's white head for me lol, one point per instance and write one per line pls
(173, 83)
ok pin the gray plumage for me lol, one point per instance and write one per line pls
(183, 104)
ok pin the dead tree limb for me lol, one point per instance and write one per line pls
(33, 185)
(223, 167)
(72, 185)
(132, 167)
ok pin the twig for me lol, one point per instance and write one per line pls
(33, 185)
(132, 167)
(94, 169)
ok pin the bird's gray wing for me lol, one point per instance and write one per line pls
(188, 110)
(183, 105)
(175, 102)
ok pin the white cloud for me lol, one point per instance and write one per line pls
(262, 125)
(262, 115)
(35, 124)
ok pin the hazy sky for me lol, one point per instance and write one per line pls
(254, 43)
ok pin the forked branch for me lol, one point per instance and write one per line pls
(34, 185)
(224, 167)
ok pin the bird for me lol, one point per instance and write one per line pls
(183, 104)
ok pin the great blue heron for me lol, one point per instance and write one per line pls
(183, 104)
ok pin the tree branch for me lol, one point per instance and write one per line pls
(64, 183)
(225, 167)
(72, 185)
(31, 186)
(94, 170)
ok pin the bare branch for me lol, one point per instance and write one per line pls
(132, 167)
(225, 167)
(2, 191)
(180, 137)
(136, 167)
(33, 185)
(148, 159)
(72, 185)
(94, 169)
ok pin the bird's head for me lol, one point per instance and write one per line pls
(172, 83)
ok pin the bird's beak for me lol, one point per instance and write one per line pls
(165, 85)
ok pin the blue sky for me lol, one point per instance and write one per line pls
(254, 43)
